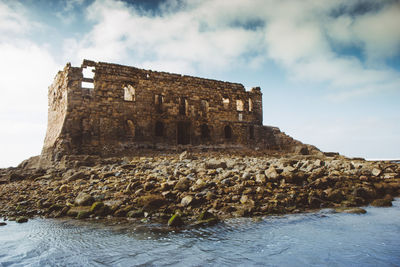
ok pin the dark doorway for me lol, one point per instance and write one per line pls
(183, 133)
(205, 131)
(228, 132)
(159, 129)
(251, 132)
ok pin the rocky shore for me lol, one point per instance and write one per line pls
(198, 188)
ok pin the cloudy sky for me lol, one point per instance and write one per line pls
(329, 70)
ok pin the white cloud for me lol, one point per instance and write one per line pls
(181, 36)
(27, 69)
(376, 32)
(187, 36)
(12, 19)
(379, 32)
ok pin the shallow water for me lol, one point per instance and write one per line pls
(315, 239)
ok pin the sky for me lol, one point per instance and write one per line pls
(329, 70)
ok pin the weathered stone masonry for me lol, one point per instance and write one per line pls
(116, 109)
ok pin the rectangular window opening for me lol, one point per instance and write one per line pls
(225, 102)
(87, 85)
(129, 93)
(158, 101)
(239, 105)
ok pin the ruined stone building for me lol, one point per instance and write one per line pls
(108, 109)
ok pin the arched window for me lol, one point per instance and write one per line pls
(250, 105)
(205, 131)
(159, 129)
(251, 132)
(228, 132)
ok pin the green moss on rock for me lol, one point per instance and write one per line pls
(175, 221)
(83, 214)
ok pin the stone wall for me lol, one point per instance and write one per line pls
(116, 109)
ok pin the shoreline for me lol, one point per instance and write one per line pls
(195, 189)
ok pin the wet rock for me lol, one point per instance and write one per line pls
(381, 203)
(96, 207)
(334, 195)
(351, 210)
(84, 199)
(175, 221)
(364, 192)
(55, 207)
(22, 219)
(3, 223)
(151, 202)
(74, 211)
(83, 214)
(135, 214)
(206, 219)
(314, 202)
(122, 212)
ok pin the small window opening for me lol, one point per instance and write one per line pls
(240, 116)
(129, 93)
(251, 132)
(204, 106)
(159, 129)
(225, 102)
(159, 100)
(228, 132)
(205, 131)
(88, 85)
(182, 105)
(88, 72)
(250, 105)
(239, 105)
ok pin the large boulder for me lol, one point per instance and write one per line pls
(151, 202)
(84, 199)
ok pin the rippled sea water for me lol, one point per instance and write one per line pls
(313, 239)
